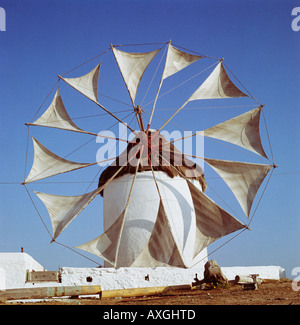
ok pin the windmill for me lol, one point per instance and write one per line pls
(155, 211)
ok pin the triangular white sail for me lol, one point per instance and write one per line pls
(87, 84)
(132, 67)
(217, 85)
(244, 179)
(106, 245)
(242, 130)
(161, 249)
(63, 209)
(46, 163)
(212, 222)
(56, 116)
(177, 60)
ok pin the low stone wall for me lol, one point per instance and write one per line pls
(13, 268)
(125, 278)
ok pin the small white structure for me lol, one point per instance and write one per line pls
(13, 268)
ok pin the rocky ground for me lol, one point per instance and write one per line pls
(268, 293)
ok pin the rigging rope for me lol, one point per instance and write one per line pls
(37, 211)
(117, 139)
(207, 107)
(187, 80)
(86, 182)
(80, 65)
(158, 89)
(268, 135)
(153, 77)
(206, 56)
(26, 155)
(229, 240)
(141, 44)
(250, 220)
(242, 85)
(44, 100)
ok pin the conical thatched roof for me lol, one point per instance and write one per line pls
(158, 153)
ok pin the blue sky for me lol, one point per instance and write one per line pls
(47, 38)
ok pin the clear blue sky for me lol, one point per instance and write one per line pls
(47, 38)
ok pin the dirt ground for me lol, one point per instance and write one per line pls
(268, 293)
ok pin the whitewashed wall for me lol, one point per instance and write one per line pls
(14, 266)
(124, 278)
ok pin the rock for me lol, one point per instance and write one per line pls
(213, 273)
(213, 276)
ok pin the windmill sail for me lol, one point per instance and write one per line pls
(132, 67)
(177, 60)
(217, 85)
(244, 179)
(87, 84)
(106, 245)
(64, 209)
(56, 116)
(242, 130)
(161, 249)
(46, 163)
(212, 222)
